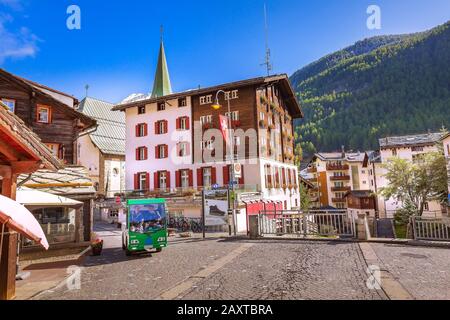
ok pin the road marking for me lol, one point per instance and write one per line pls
(187, 284)
(392, 287)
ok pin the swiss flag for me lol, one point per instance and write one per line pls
(224, 127)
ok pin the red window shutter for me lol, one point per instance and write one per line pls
(147, 181)
(137, 130)
(136, 181)
(156, 180)
(213, 175)
(242, 179)
(168, 179)
(157, 152)
(145, 153)
(166, 151)
(157, 127)
(191, 178)
(188, 125)
(226, 175)
(178, 179)
(178, 124)
(145, 129)
(137, 154)
(166, 126)
(200, 177)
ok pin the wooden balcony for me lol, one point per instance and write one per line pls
(341, 189)
(338, 200)
(337, 167)
(340, 178)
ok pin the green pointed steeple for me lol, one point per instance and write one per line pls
(161, 85)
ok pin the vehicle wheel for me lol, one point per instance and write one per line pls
(127, 252)
(159, 250)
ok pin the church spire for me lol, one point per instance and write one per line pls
(161, 85)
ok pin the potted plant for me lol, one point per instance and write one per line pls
(96, 245)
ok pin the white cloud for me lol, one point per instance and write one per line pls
(16, 44)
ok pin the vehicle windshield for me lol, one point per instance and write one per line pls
(147, 217)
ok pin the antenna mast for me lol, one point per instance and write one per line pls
(267, 62)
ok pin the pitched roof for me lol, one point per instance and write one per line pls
(337, 156)
(110, 134)
(282, 79)
(72, 180)
(13, 126)
(411, 140)
(34, 87)
(161, 84)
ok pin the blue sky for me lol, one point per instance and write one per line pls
(207, 42)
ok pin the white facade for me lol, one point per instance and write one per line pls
(433, 208)
(253, 169)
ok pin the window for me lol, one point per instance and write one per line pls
(141, 153)
(233, 94)
(183, 123)
(142, 181)
(205, 119)
(184, 178)
(141, 130)
(43, 114)
(417, 149)
(115, 172)
(207, 145)
(237, 141)
(234, 115)
(10, 103)
(161, 127)
(161, 106)
(394, 152)
(182, 102)
(262, 115)
(206, 99)
(183, 149)
(207, 181)
(426, 206)
(161, 151)
(141, 110)
(163, 180)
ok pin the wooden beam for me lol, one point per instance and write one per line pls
(9, 249)
(9, 153)
(19, 167)
(5, 171)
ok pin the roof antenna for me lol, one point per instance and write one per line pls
(87, 89)
(267, 62)
(161, 30)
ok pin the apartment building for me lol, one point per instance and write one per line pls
(335, 174)
(411, 148)
(174, 141)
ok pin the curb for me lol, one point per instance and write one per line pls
(393, 289)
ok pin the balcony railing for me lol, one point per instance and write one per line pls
(337, 167)
(340, 178)
(338, 200)
(339, 189)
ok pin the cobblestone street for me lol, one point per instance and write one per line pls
(203, 269)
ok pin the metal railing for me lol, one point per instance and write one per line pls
(431, 229)
(328, 223)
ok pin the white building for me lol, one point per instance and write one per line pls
(168, 149)
(409, 147)
(102, 151)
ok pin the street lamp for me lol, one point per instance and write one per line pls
(217, 106)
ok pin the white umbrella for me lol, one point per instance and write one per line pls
(30, 197)
(16, 217)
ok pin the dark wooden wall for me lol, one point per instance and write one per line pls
(61, 130)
